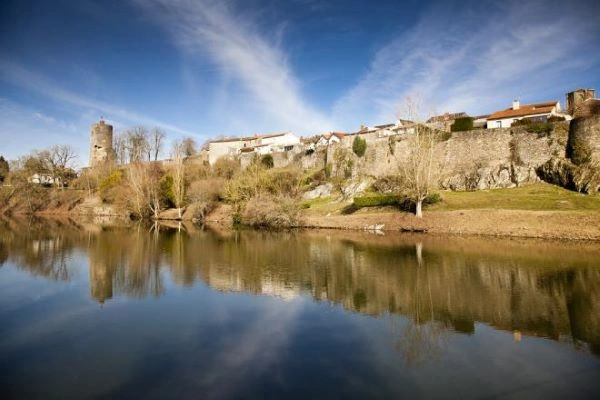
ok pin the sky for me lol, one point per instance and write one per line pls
(205, 68)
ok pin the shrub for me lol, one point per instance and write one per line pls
(402, 202)
(4, 169)
(542, 128)
(201, 211)
(462, 124)
(272, 212)
(377, 201)
(556, 118)
(226, 167)
(359, 146)
(283, 181)
(109, 187)
(445, 136)
(205, 190)
(267, 161)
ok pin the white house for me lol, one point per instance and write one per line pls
(538, 111)
(262, 144)
(327, 139)
(224, 148)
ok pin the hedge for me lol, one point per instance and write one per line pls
(401, 202)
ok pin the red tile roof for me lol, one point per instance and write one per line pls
(524, 110)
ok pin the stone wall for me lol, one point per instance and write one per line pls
(478, 159)
(584, 139)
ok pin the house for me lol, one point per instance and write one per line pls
(518, 111)
(329, 138)
(224, 148)
(262, 144)
(444, 121)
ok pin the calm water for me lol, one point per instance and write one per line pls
(115, 313)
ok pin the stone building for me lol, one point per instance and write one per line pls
(101, 144)
(577, 97)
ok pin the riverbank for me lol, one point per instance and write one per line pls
(534, 211)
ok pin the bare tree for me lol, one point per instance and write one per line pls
(189, 146)
(144, 182)
(178, 175)
(61, 163)
(418, 167)
(120, 146)
(138, 146)
(157, 136)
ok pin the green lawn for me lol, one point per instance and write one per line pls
(532, 197)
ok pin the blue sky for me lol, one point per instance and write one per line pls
(236, 67)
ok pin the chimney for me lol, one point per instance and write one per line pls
(516, 104)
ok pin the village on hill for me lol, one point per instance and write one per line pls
(578, 103)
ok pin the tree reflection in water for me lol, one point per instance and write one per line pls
(438, 285)
(424, 338)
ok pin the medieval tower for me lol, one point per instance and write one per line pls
(101, 144)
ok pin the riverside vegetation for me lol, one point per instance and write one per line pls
(137, 185)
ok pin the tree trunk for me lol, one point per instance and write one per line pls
(419, 210)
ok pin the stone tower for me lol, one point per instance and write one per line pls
(101, 144)
(576, 98)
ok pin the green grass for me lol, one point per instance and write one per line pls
(540, 197)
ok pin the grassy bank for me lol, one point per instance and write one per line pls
(539, 197)
(540, 211)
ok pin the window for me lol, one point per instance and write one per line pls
(498, 124)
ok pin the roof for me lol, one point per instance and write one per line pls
(446, 117)
(235, 139)
(384, 126)
(249, 138)
(524, 110)
(271, 135)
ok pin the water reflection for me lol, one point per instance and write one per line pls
(529, 288)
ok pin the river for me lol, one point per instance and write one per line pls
(153, 312)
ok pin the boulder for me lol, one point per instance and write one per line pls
(320, 191)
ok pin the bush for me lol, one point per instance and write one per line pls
(359, 146)
(542, 128)
(283, 181)
(445, 136)
(109, 188)
(206, 190)
(267, 161)
(4, 169)
(272, 212)
(462, 124)
(556, 118)
(377, 201)
(201, 211)
(402, 202)
(226, 167)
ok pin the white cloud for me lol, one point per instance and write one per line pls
(475, 61)
(268, 92)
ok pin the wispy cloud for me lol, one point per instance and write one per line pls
(25, 78)
(23, 129)
(477, 59)
(268, 91)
